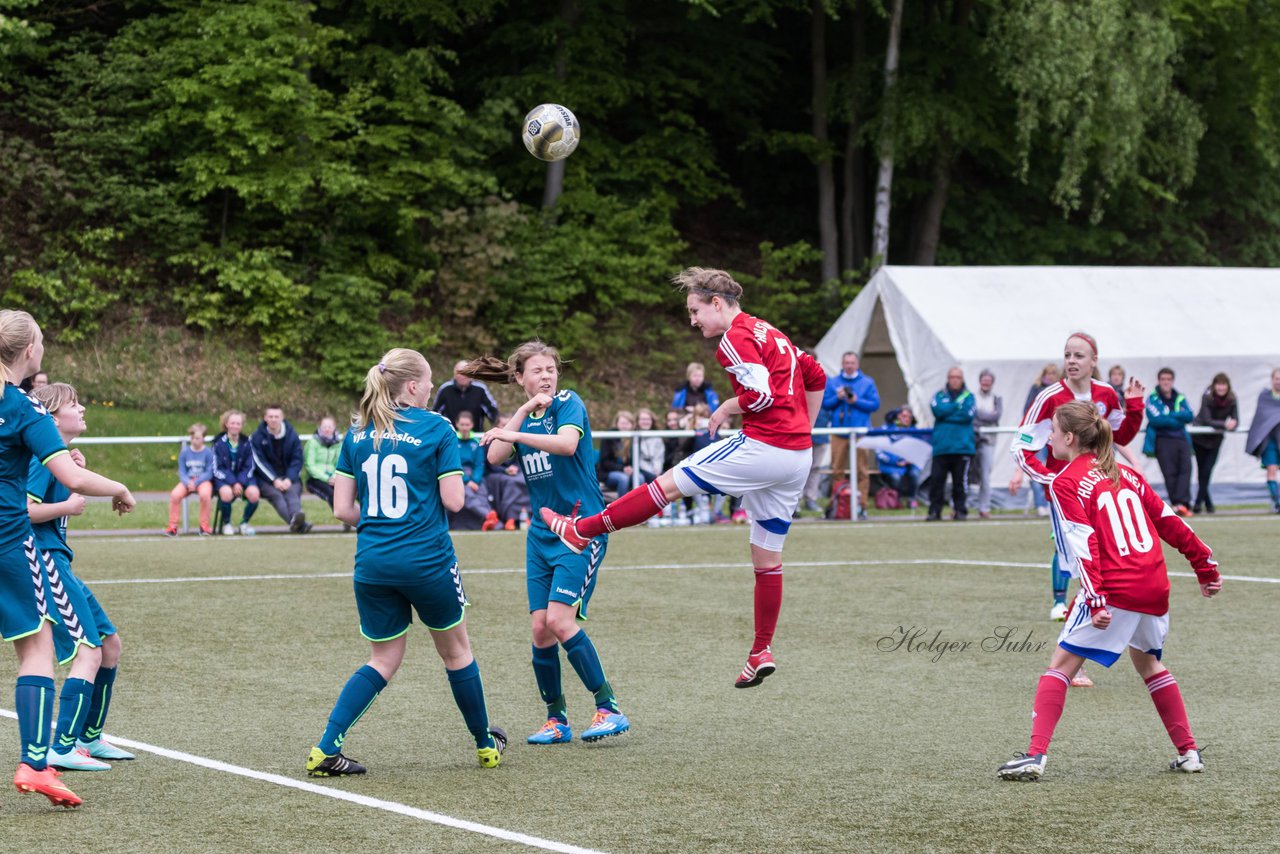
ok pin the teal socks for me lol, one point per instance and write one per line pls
(73, 713)
(468, 693)
(33, 700)
(357, 696)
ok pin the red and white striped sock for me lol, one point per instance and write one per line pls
(768, 604)
(1168, 699)
(1051, 696)
(641, 503)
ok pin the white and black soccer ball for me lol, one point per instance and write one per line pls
(551, 132)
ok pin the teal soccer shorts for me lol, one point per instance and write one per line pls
(77, 617)
(555, 574)
(21, 590)
(386, 610)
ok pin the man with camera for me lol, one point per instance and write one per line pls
(850, 398)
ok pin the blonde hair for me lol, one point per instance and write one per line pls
(198, 428)
(54, 396)
(1092, 432)
(226, 416)
(708, 283)
(653, 417)
(382, 386)
(1050, 368)
(493, 369)
(18, 330)
(694, 366)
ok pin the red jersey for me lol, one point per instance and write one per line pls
(1037, 424)
(770, 376)
(1112, 532)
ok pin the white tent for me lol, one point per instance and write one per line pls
(913, 323)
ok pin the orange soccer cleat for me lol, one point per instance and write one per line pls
(45, 782)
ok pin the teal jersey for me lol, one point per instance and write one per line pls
(560, 482)
(43, 488)
(403, 532)
(26, 431)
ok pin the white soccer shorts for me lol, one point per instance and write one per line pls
(1143, 632)
(769, 480)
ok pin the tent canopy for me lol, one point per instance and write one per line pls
(913, 323)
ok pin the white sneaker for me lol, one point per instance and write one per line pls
(228, 530)
(1188, 762)
(1058, 612)
(78, 759)
(246, 530)
(1023, 767)
(1042, 511)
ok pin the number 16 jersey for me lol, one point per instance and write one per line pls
(403, 532)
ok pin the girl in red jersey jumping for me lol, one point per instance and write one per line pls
(777, 389)
(1112, 522)
(1079, 382)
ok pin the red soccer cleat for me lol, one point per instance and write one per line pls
(45, 782)
(566, 528)
(759, 665)
(490, 521)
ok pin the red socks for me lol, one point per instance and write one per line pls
(1051, 695)
(768, 604)
(1168, 699)
(633, 508)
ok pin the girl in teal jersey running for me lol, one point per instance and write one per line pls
(27, 431)
(397, 473)
(550, 437)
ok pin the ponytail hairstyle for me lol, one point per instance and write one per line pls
(54, 396)
(18, 330)
(382, 386)
(708, 283)
(494, 370)
(1092, 432)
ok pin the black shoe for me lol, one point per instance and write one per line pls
(319, 765)
(933, 517)
(298, 524)
(1197, 508)
(1208, 506)
(960, 517)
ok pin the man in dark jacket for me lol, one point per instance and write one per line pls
(277, 460)
(463, 394)
(1167, 418)
(953, 446)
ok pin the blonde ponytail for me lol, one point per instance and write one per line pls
(18, 330)
(1093, 434)
(382, 386)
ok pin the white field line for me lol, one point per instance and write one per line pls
(351, 797)
(813, 564)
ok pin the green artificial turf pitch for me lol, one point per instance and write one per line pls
(855, 744)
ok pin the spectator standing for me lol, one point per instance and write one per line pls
(1264, 436)
(953, 446)
(821, 459)
(195, 474)
(850, 398)
(1050, 375)
(695, 390)
(277, 460)
(320, 458)
(1115, 378)
(477, 511)
(988, 408)
(1219, 410)
(463, 394)
(1167, 418)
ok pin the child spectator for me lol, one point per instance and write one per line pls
(476, 512)
(233, 472)
(195, 474)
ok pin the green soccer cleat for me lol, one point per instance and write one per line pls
(490, 757)
(319, 764)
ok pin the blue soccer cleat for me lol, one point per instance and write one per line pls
(605, 724)
(552, 732)
(100, 748)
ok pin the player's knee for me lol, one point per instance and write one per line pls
(562, 626)
(111, 648)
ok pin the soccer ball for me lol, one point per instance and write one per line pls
(551, 132)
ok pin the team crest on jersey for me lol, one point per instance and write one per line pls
(1102, 407)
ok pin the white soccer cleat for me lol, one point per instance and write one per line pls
(1058, 613)
(1189, 762)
